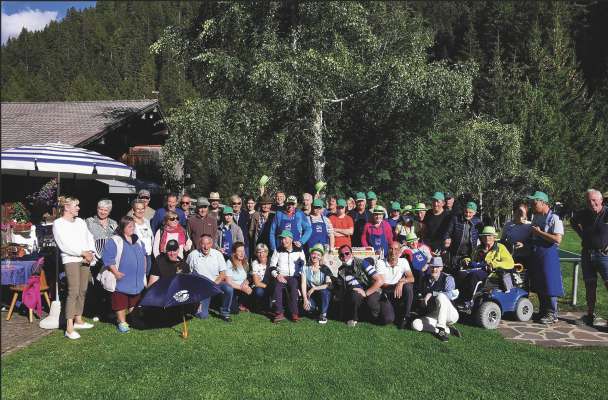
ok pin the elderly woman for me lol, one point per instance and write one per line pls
(170, 229)
(259, 266)
(545, 271)
(488, 259)
(143, 230)
(101, 225)
(236, 276)
(125, 257)
(350, 204)
(77, 254)
(315, 281)
(517, 232)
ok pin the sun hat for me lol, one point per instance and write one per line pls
(341, 203)
(420, 207)
(265, 199)
(407, 208)
(202, 202)
(320, 186)
(318, 248)
(488, 231)
(286, 233)
(214, 196)
(317, 203)
(378, 210)
(438, 196)
(360, 196)
(471, 206)
(411, 237)
(542, 196)
(436, 262)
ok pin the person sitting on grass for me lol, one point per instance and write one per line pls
(236, 276)
(168, 264)
(209, 263)
(362, 284)
(259, 275)
(125, 256)
(439, 290)
(315, 284)
(398, 287)
(285, 266)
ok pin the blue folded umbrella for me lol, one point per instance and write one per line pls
(179, 290)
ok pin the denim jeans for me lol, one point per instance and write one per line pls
(594, 262)
(325, 296)
(226, 301)
(548, 305)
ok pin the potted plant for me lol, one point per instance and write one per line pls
(21, 218)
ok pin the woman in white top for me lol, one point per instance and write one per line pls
(143, 230)
(236, 277)
(77, 254)
(315, 281)
(259, 266)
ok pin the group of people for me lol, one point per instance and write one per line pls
(272, 252)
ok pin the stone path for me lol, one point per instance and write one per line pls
(18, 332)
(565, 333)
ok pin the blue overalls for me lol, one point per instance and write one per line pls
(546, 272)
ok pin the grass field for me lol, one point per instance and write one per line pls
(254, 359)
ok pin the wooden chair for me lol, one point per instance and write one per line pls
(44, 289)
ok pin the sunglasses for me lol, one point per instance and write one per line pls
(344, 254)
(236, 204)
(144, 197)
(185, 202)
(172, 218)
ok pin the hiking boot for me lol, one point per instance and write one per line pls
(588, 319)
(454, 331)
(278, 318)
(352, 323)
(442, 335)
(322, 319)
(548, 319)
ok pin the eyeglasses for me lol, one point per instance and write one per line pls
(172, 218)
(236, 204)
(185, 202)
(144, 197)
(140, 209)
(344, 254)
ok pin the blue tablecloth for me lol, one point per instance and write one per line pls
(17, 272)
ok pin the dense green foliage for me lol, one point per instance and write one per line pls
(402, 98)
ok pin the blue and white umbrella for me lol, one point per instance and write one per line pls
(58, 158)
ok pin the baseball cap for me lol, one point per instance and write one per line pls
(286, 233)
(371, 195)
(360, 196)
(449, 195)
(471, 206)
(292, 199)
(341, 203)
(542, 196)
(438, 196)
(395, 206)
(228, 210)
(143, 192)
(172, 245)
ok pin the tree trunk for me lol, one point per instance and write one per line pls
(318, 147)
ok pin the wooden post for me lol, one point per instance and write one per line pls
(185, 327)
(574, 282)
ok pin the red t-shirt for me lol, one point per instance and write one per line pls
(342, 223)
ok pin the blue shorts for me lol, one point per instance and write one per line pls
(594, 262)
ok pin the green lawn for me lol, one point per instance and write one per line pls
(252, 358)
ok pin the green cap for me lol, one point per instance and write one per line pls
(371, 195)
(317, 203)
(542, 196)
(395, 206)
(411, 237)
(438, 196)
(407, 208)
(228, 210)
(378, 210)
(420, 207)
(286, 233)
(292, 199)
(360, 196)
(488, 230)
(341, 203)
(320, 186)
(471, 206)
(318, 248)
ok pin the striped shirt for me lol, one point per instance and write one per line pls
(351, 275)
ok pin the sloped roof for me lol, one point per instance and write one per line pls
(66, 122)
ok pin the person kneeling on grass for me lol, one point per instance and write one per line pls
(209, 263)
(439, 290)
(236, 277)
(315, 284)
(398, 287)
(125, 256)
(285, 266)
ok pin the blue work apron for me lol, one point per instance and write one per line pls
(319, 233)
(379, 241)
(290, 225)
(546, 271)
(227, 241)
(418, 259)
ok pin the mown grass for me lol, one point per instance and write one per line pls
(254, 359)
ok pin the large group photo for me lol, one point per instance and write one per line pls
(304, 200)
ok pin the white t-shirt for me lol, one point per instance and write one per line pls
(393, 274)
(144, 233)
(258, 269)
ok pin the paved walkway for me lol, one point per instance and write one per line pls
(18, 332)
(565, 333)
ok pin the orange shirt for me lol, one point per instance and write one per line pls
(342, 223)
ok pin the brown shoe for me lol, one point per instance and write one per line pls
(295, 318)
(278, 318)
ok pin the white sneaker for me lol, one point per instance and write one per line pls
(74, 335)
(351, 322)
(84, 325)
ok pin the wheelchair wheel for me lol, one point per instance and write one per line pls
(524, 309)
(488, 315)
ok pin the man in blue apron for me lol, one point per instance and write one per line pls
(546, 274)
(322, 230)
